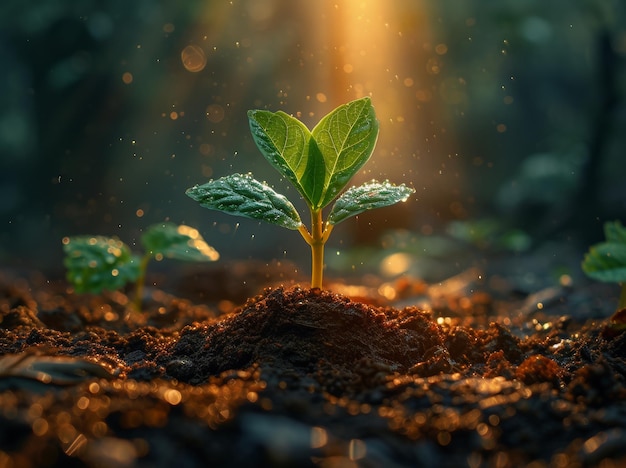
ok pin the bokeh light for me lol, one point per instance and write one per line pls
(193, 58)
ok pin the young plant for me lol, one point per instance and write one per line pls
(319, 163)
(607, 261)
(95, 263)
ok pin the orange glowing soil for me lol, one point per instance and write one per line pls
(300, 377)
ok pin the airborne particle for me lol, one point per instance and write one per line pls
(194, 58)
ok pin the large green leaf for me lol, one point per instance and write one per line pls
(242, 195)
(95, 263)
(346, 138)
(606, 262)
(288, 146)
(368, 196)
(179, 242)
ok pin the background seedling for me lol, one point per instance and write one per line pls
(96, 263)
(607, 261)
(319, 163)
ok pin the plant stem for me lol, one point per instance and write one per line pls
(622, 297)
(141, 279)
(316, 239)
(317, 249)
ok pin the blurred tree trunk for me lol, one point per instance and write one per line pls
(586, 206)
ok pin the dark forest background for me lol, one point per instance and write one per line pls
(505, 114)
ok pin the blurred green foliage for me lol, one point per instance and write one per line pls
(606, 261)
(97, 263)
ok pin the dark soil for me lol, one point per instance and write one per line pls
(449, 376)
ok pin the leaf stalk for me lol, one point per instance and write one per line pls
(316, 239)
(141, 280)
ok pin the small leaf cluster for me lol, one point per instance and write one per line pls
(97, 263)
(606, 261)
(318, 163)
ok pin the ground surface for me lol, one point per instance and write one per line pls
(466, 372)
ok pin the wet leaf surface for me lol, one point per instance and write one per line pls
(242, 195)
(368, 196)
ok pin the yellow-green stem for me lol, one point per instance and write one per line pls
(141, 279)
(622, 297)
(316, 239)
(317, 249)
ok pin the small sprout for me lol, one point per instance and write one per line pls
(319, 164)
(96, 263)
(606, 262)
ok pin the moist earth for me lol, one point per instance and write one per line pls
(303, 377)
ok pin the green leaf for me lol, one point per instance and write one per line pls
(241, 195)
(368, 196)
(615, 232)
(606, 262)
(95, 263)
(182, 242)
(288, 146)
(346, 138)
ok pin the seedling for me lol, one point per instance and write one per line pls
(319, 163)
(96, 263)
(607, 261)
